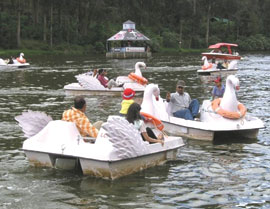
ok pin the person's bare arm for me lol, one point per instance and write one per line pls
(149, 139)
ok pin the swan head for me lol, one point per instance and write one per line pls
(234, 81)
(156, 93)
(140, 65)
(204, 57)
(22, 54)
(152, 89)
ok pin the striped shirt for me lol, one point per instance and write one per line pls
(82, 122)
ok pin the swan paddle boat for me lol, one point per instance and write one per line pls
(221, 117)
(216, 57)
(134, 77)
(213, 69)
(117, 151)
(19, 62)
(89, 85)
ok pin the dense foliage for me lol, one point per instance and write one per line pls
(85, 25)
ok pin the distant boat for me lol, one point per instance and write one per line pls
(218, 62)
(3, 65)
(89, 85)
(19, 62)
(217, 53)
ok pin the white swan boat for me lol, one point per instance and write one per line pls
(216, 55)
(89, 85)
(16, 64)
(211, 69)
(210, 125)
(117, 151)
(127, 79)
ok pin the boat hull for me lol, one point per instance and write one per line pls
(188, 132)
(76, 89)
(217, 72)
(208, 135)
(59, 145)
(42, 159)
(221, 56)
(117, 169)
(102, 169)
(14, 66)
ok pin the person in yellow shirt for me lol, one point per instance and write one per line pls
(77, 115)
(128, 95)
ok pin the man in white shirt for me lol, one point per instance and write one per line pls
(182, 105)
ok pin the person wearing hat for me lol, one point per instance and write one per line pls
(128, 95)
(218, 89)
(182, 105)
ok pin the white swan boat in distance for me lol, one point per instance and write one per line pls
(210, 125)
(211, 69)
(16, 64)
(117, 151)
(88, 85)
(216, 55)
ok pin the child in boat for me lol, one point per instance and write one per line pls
(133, 116)
(128, 95)
(218, 89)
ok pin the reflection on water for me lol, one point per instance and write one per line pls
(229, 173)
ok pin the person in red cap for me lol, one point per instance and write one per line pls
(218, 89)
(128, 95)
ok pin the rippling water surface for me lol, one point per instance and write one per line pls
(231, 174)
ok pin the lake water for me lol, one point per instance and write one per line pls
(233, 174)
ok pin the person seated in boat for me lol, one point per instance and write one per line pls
(182, 105)
(128, 95)
(77, 115)
(225, 64)
(133, 116)
(105, 81)
(220, 66)
(10, 61)
(93, 73)
(218, 89)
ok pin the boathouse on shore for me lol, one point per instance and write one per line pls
(128, 43)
